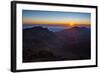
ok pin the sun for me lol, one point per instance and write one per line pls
(72, 24)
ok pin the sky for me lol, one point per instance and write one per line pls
(34, 17)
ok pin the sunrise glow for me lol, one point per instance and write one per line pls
(56, 18)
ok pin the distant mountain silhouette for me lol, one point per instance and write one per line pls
(41, 44)
(77, 40)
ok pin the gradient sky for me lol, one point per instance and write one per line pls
(55, 18)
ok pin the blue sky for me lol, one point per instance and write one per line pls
(32, 16)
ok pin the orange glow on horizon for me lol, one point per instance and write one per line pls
(72, 24)
(62, 23)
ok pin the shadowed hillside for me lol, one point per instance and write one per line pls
(41, 44)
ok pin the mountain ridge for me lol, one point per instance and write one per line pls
(39, 41)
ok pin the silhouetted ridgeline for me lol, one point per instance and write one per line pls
(40, 44)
